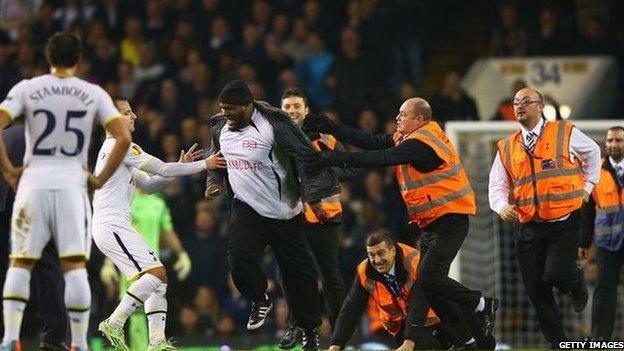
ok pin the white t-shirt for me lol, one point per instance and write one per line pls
(60, 114)
(255, 174)
(111, 203)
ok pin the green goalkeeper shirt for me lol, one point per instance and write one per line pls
(150, 216)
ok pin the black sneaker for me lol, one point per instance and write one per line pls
(579, 292)
(469, 346)
(290, 338)
(310, 340)
(259, 312)
(488, 316)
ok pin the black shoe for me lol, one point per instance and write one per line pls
(487, 342)
(49, 346)
(259, 312)
(290, 338)
(488, 316)
(470, 346)
(579, 293)
(310, 340)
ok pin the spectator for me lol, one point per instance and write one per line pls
(226, 325)
(452, 103)
(105, 60)
(207, 306)
(549, 39)
(594, 39)
(149, 69)
(313, 71)
(352, 77)
(133, 38)
(45, 25)
(128, 84)
(207, 250)
(295, 47)
(508, 38)
(189, 321)
(368, 121)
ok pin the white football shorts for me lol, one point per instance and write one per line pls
(39, 215)
(123, 245)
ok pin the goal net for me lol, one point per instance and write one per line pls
(487, 260)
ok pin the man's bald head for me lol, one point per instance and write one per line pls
(528, 107)
(419, 106)
(413, 113)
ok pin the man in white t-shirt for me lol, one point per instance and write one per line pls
(121, 243)
(51, 200)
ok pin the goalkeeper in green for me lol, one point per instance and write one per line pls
(152, 219)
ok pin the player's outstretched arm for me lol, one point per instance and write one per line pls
(118, 129)
(153, 165)
(150, 184)
(9, 172)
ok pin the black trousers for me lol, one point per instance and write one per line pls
(441, 240)
(546, 253)
(605, 295)
(250, 233)
(47, 280)
(323, 240)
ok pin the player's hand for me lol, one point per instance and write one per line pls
(334, 348)
(108, 274)
(509, 213)
(216, 161)
(318, 123)
(95, 182)
(12, 176)
(408, 345)
(583, 253)
(182, 266)
(190, 155)
(212, 191)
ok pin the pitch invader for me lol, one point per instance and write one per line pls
(121, 243)
(51, 200)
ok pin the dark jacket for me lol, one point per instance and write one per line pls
(15, 143)
(357, 301)
(587, 236)
(291, 141)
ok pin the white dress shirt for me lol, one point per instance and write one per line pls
(582, 148)
(617, 165)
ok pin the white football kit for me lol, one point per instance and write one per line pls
(112, 223)
(52, 201)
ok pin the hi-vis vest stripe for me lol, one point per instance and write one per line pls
(331, 205)
(392, 309)
(609, 220)
(546, 183)
(428, 196)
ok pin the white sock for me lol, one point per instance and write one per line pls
(15, 295)
(156, 311)
(480, 305)
(78, 304)
(134, 298)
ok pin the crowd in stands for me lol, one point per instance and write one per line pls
(353, 58)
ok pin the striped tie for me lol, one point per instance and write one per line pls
(531, 139)
(619, 169)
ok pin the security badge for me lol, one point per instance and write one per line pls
(548, 164)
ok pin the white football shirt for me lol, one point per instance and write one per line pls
(256, 173)
(60, 113)
(111, 203)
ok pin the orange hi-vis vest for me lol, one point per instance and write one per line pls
(392, 310)
(547, 183)
(330, 204)
(429, 196)
(609, 220)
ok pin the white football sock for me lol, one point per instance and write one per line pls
(78, 304)
(156, 311)
(136, 295)
(15, 295)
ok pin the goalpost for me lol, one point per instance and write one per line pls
(487, 259)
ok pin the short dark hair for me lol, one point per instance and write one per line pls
(616, 129)
(63, 49)
(380, 236)
(295, 92)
